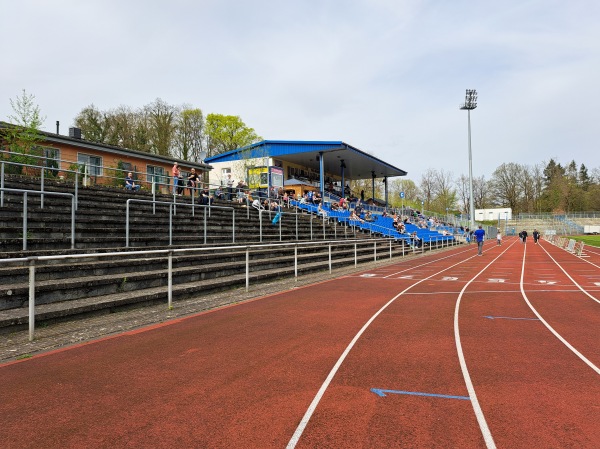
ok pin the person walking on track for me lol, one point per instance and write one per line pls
(536, 236)
(479, 235)
(499, 237)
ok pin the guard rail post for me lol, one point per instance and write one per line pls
(204, 220)
(171, 211)
(232, 221)
(170, 279)
(247, 269)
(127, 223)
(42, 189)
(296, 262)
(2, 184)
(24, 221)
(31, 298)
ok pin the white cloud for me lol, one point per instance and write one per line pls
(384, 75)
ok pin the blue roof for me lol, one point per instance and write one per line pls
(358, 164)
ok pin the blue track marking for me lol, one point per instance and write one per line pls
(382, 393)
(489, 317)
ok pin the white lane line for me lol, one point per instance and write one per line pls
(569, 276)
(485, 430)
(426, 263)
(550, 328)
(315, 402)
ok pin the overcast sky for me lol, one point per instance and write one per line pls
(385, 76)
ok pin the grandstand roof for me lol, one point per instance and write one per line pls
(358, 164)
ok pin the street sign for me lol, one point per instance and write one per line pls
(401, 194)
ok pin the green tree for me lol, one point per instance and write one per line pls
(94, 124)
(23, 136)
(189, 134)
(226, 133)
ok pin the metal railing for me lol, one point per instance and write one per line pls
(173, 212)
(25, 194)
(31, 262)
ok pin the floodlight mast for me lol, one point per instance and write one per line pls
(470, 104)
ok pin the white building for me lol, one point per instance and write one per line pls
(503, 213)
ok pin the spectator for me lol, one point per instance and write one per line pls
(317, 198)
(256, 204)
(355, 217)
(229, 183)
(219, 193)
(192, 181)
(416, 241)
(130, 183)
(180, 186)
(176, 173)
(204, 197)
(240, 190)
(321, 211)
(243, 196)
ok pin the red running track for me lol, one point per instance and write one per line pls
(445, 350)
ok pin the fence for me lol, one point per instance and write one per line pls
(32, 262)
(25, 210)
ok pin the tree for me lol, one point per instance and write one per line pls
(506, 184)
(410, 189)
(189, 134)
(162, 117)
(226, 133)
(480, 193)
(23, 136)
(94, 124)
(27, 121)
(444, 195)
(583, 178)
(427, 186)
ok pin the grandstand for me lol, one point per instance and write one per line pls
(107, 248)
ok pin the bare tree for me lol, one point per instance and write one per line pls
(189, 134)
(481, 199)
(443, 191)
(506, 184)
(427, 186)
(163, 120)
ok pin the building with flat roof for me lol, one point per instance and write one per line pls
(271, 163)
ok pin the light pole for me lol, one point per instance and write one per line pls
(470, 104)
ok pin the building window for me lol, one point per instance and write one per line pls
(52, 160)
(156, 175)
(224, 173)
(93, 164)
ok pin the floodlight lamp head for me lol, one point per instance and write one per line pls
(470, 100)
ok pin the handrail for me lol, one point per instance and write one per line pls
(37, 192)
(172, 212)
(31, 262)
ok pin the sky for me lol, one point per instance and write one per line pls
(385, 76)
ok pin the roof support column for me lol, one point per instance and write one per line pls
(373, 185)
(322, 176)
(343, 186)
(385, 187)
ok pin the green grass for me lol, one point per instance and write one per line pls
(591, 240)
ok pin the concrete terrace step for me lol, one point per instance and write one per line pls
(62, 282)
(64, 310)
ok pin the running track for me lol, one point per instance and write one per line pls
(445, 350)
